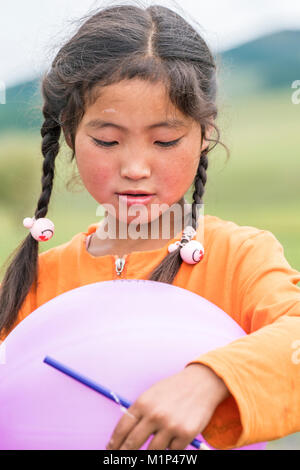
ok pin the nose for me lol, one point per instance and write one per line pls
(135, 168)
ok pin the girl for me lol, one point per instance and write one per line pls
(134, 92)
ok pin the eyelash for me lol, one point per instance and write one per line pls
(101, 143)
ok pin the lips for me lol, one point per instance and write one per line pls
(131, 199)
(135, 193)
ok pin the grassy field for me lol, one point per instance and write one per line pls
(258, 186)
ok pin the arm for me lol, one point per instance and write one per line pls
(175, 409)
(262, 369)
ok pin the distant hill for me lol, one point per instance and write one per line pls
(267, 63)
(22, 109)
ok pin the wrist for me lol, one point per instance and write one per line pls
(220, 389)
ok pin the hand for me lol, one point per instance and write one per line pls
(175, 409)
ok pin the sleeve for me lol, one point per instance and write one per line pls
(262, 369)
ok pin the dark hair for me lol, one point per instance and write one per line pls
(152, 43)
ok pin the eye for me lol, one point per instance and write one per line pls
(102, 143)
(169, 144)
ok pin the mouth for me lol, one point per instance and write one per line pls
(130, 199)
(135, 194)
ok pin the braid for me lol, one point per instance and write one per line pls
(50, 132)
(22, 272)
(200, 180)
(168, 268)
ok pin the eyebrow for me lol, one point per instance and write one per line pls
(171, 123)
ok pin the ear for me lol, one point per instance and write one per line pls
(66, 135)
(67, 138)
(208, 133)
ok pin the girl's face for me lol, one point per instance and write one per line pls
(120, 145)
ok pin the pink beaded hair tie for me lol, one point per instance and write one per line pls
(191, 251)
(41, 229)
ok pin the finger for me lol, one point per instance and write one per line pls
(180, 443)
(161, 440)
(123, 428)
(139, 435)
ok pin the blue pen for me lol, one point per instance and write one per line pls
(104, 391)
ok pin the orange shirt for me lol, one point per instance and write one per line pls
(245, 273)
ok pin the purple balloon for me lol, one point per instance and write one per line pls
(123, 334)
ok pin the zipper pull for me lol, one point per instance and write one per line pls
(120, 263)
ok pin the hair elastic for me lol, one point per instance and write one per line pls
(41, 229)
(191, 251)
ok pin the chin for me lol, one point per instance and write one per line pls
(134, 220)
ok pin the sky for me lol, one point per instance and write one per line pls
(31, 31)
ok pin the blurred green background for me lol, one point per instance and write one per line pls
(257, 186)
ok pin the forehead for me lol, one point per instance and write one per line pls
(134, 103)
(167, 124)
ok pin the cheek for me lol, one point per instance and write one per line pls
(95, 171)
(179, 175)
(97, 178)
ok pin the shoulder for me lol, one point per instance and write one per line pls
(228, 244)
(68, 249)
(64, 250)
(62, 257)
(229, 234)
(65, 258)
